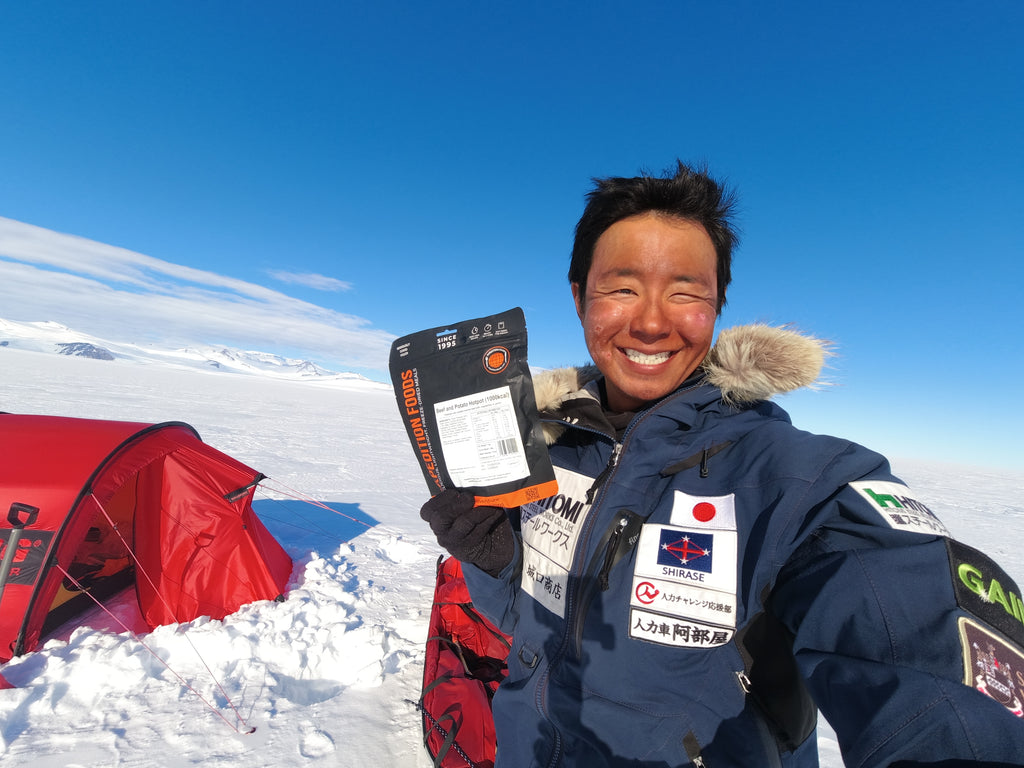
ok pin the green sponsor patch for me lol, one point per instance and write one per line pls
(985, 590)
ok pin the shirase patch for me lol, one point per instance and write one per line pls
(993, 666)
(684, 586)
(688, 549)
(899, 508)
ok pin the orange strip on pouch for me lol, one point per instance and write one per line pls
(518, 498)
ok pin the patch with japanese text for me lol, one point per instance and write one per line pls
(993, 666)
(898, 507)
(550, 530)
(687, 580)
(673, 598)
(665, 630)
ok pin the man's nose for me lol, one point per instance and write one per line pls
(651, 321)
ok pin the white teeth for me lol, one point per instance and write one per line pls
(643, 359)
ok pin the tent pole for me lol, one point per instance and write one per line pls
(17, 525)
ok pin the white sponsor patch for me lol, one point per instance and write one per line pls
(687, 556)
(898, 507)
(550, 534)
(710, 512)
(684, 586)
(682, 600)
(681, 633)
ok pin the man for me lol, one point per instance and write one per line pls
(708, 576)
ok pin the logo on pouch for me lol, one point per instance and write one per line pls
(686, 549)
(496, 359)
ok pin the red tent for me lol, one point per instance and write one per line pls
(94, 506)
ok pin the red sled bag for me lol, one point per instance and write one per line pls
(465, 663)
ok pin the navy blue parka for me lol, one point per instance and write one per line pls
(710, 576)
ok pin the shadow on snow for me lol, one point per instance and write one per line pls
(301, 526)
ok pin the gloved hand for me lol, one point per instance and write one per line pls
(478, 535)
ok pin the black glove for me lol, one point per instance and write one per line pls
(478, 535)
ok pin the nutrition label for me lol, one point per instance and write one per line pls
(480, 439)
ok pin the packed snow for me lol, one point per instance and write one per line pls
(327, 677)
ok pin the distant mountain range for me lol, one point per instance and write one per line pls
(54, 338)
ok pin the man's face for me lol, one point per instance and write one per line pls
(650, 306)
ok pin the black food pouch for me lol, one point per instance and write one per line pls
(466, 397)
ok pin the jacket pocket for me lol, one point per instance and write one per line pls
(617, 542)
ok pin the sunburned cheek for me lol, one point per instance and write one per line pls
(597, 328)
(700, 320)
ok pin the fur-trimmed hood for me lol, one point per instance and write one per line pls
(748, 363)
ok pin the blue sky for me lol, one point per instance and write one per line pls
(316, 178)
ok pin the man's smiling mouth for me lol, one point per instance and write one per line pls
(642, 358)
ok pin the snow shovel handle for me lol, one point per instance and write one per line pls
(14, 517)
(15, 512)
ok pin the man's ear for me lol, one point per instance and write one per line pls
(577, 297)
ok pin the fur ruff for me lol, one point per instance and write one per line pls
(748, 363)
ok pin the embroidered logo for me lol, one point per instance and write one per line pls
(992, 666)
(666, 630)
(985, 590)
(898, 507)
(686, 549)
(704, 512)
(684, 585)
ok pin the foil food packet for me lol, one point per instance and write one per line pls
(466, 396)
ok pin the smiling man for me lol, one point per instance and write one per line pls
(709, 576)
(648, 306)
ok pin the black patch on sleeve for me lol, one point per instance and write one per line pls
(984, 590)
(992, 666)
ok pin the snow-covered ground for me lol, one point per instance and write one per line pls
(327, 676)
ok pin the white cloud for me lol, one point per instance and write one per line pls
(310, 280)
(127, 296)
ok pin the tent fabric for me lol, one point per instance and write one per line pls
(464, 664)
(100, 488)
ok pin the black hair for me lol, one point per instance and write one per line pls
(684, 192)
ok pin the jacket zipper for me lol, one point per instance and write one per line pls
(693, 750)
(609, 552)
(600, 567)
(599, 481)
(581, 548)
(595, 488)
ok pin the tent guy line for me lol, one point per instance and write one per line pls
(188, 686)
